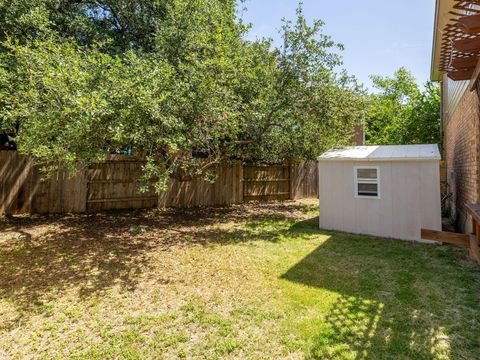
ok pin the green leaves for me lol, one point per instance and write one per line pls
(175, 81)
(402, 114)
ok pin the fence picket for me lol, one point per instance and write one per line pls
(113, 184)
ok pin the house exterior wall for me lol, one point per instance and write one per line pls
(453, 93)
(461, 141)
(409, 199)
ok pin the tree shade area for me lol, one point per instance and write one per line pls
(175, 81)
(401, 113)
(178, 83)
(256, 281)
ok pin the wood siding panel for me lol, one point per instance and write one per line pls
(428, 200)
(409, 199)
(348, 192)
(326, 196)
(454, 92)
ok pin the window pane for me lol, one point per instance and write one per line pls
(367, 189)
(366, 173)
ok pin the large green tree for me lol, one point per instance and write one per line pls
(401, 113)
(175, 80)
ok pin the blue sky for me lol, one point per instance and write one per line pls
(379, 35)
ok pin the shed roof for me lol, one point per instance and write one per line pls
(383, 153)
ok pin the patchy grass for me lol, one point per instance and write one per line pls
(257, 281)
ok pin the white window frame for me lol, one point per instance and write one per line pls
(357, 181)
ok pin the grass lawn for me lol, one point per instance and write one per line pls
(256, 281)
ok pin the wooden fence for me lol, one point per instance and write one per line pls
(303, 180)
(113, 184)
(266, 182)
(22, 189)
(227, 190)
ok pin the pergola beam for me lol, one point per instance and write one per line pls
(460, 40)
(460, 75)
(467, 45)
(469, 24)
(464, 62)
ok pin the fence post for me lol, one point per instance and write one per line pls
(240, 182)
(291, 171)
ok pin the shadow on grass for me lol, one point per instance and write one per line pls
(418, 301)
(49, 255)
(395, 299)
(350, 325)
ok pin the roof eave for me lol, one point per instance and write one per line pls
(434, 71)
(442, 17)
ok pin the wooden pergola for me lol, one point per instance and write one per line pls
(457, 54)
(460, 43)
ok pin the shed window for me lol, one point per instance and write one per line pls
(367, 182)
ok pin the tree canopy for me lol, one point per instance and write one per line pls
(174, 80)
(401, 113)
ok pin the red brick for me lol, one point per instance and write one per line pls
(462, 148)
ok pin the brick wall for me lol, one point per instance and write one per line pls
(462, 149)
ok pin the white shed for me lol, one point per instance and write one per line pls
(388, 191)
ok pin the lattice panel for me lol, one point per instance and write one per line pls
(452, 33)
